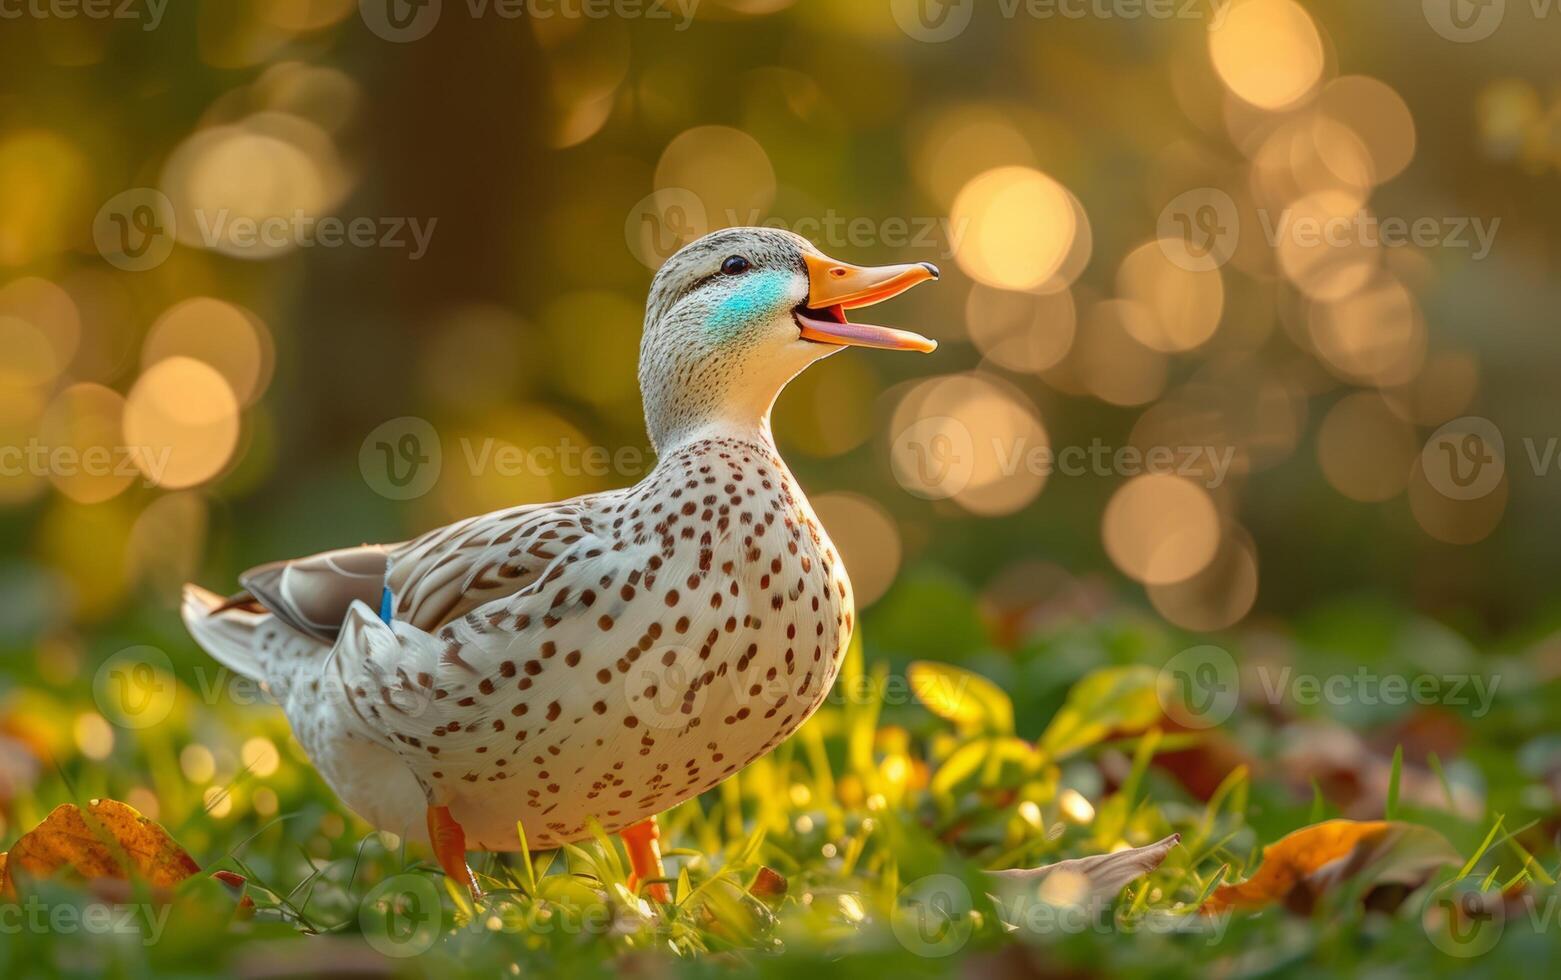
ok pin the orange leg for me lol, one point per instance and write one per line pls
(449, 843)
(642, 841)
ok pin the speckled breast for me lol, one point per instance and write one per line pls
(717, 631)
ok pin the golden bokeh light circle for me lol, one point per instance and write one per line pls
(1365, 451)
(181, 422)
(1014, 227)
(1160, 529)
(1267, 52)
(868, 539)
(1184, 305)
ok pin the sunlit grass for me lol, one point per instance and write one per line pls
(821, 851)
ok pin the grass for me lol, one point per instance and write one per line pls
(880, 814)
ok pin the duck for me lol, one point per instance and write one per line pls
(592, 662)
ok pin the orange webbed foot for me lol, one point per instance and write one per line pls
(642, 841)
(449, 844)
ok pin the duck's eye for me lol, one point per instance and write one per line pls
(735, 265)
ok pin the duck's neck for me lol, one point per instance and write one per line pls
(754, 431)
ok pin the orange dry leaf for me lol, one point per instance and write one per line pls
(1304, 862)
(108, 841)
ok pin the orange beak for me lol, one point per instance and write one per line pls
(834, 287)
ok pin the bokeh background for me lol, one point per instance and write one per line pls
(1051, 164)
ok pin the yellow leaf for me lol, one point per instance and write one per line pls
(108, 841)
(1113, 699)
(969, 700)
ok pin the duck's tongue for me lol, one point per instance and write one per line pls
(832, 331)
(834, 287)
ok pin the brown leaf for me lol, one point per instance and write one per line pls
(1104, 873)
(109, 841)
(769, 886)
(1302, 864)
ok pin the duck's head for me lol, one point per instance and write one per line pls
(737, 314)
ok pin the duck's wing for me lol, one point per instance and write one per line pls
(312, 594)
(512, 665)
(432, 579)
(447, 573)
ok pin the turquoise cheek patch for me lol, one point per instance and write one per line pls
(760, 295)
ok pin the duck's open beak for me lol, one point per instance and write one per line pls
(834, 287)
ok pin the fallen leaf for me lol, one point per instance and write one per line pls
(110, 840)
(769, 886)
(1304, 863)
(1103, 875)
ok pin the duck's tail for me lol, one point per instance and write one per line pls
(227, 631)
